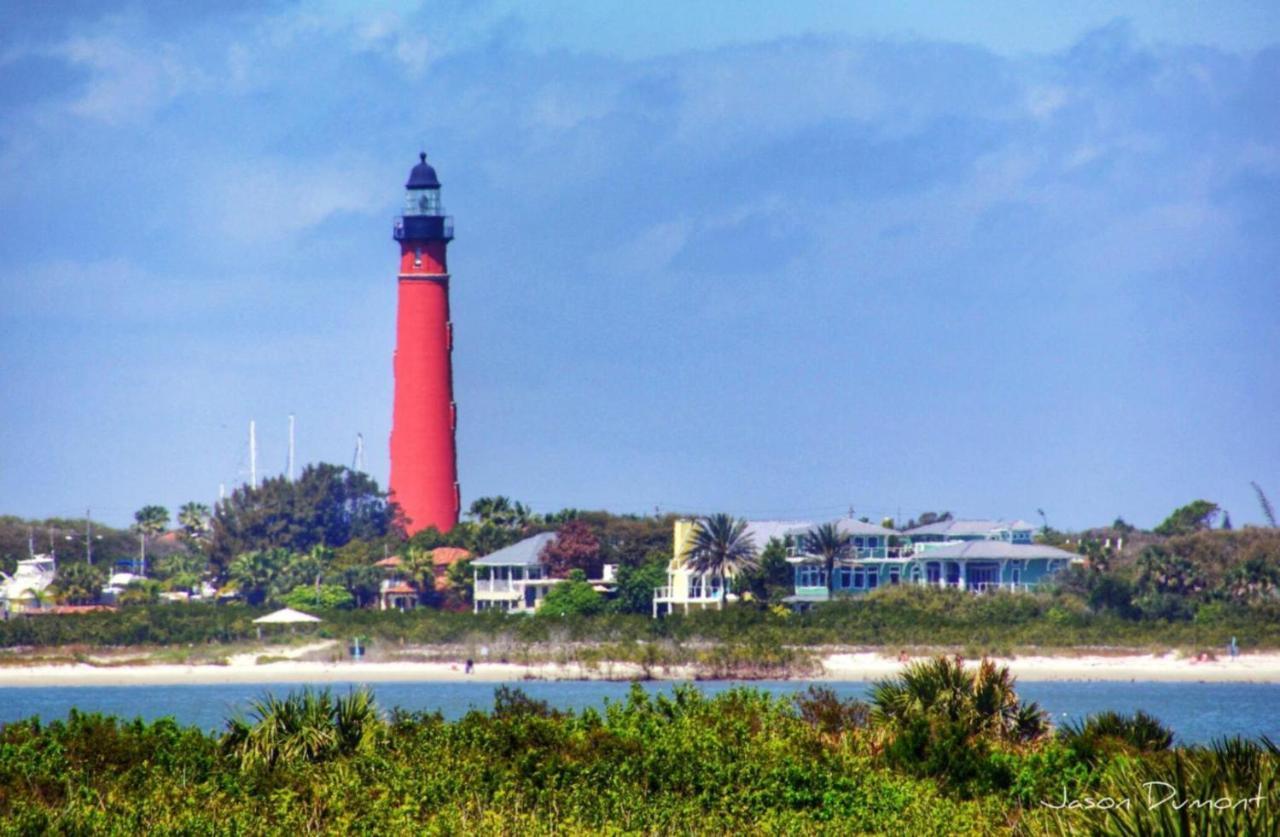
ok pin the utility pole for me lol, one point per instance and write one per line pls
(291, 447)
(253, 455)
(357, 462)
(88, 536)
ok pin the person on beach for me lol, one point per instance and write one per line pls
(470, 666)
(1233, 648)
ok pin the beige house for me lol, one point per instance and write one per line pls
(687, 590)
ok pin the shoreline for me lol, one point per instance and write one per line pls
(837, 667)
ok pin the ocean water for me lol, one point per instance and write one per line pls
(1197, 712)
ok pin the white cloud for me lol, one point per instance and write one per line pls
(126, 82)
(275, 199)
(389, 33)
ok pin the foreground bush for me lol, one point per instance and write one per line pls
(742, 761)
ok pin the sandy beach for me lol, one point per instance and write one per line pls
(1251, 668)
(245, 668)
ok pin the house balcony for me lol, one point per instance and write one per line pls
(667, 599)
(499, 589)
(668, 594)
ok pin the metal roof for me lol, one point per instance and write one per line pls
(850, 526)
(763, 531)
(423, 176)
(524, 553)
(996, 550)
(961, 528)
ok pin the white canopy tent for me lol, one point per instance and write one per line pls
(286, 616)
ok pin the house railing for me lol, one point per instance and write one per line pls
(667, 594)
(498, 585)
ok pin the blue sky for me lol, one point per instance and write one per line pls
(709, 256)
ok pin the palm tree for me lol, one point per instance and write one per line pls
(721, 548)
(500, 511)
(258, 574)
(830, 544)
(419, 568)
(194, 519)
(80, 583)
(149, 520)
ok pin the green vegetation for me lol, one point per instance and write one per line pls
(318, 597)
(326, 506)
(1193, 517)
(742, 761)
(575, 597)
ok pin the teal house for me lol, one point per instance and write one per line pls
(975, 555)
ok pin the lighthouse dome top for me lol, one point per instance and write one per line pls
(423, 176)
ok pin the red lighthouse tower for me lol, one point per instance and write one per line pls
(424, 467)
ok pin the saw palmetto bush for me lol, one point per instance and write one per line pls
(1231, 787)
(941, 718)
(1106, 733)
(310, 726)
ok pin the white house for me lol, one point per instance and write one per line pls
(513, 578)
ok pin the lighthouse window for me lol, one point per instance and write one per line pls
(422, 202)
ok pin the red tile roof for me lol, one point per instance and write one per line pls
(447, 555)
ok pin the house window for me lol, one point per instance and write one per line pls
(933, 572)
(859, 577)
(844, 578)
(811, 576)
(1015, 575)
(873, 578)
(895, 575)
